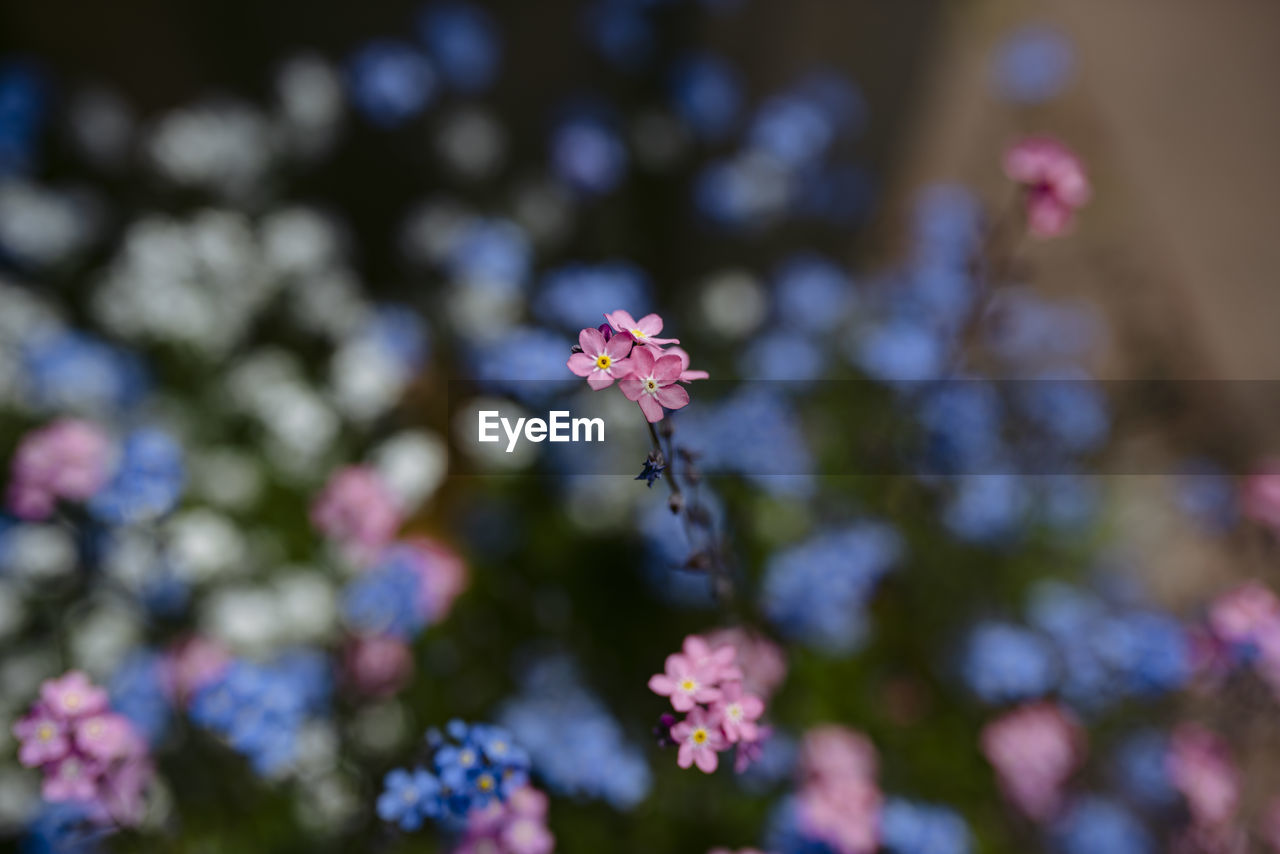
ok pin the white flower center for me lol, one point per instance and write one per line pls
(650, 385)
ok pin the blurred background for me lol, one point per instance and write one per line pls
(275, 255)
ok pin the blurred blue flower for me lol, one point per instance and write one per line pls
(587, 153)
(1003, 663)
(740, 193)
(837, 194)
(68, 370)
(620, 31)
(1141, 769)
(669, 549)
(148, 480)
(390, 82)
(138, 691)
(1033, 64)
(577, 747)
(24, 97)
(577, 295)
(1207, 494)
(908, 827)
(817, 592)
(792, 129)
(706, 93)
(539, 371)
(1096, 825)
(463, 40)
(493, 253)
(385, 600)
(409, 798)
(783, 356)
(1149, 653)
(900, 351)
(813, 293)
(988, 508)
(840, 101)
(962, 421)
(1068, 409)
(64, 828)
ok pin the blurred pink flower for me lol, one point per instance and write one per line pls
(1200, 767)
(72, 779)
(1055, 183)
(67, 459)
(601, 361)
(738, 712)
(762, 661)
(653, 384)
(43, 738)
(1034, 749)
(685, 683)
(642, 331)
(1260, 495)
(516, 826)
(1240, 614)
(442, 572)
(700, 740)
(72, 696)
(716, 662)
(833, 752)
(358, 510)
(192, 663)
(845, 814)
(377, 666)
(105, 737)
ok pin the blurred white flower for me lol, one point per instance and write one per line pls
(472, 142)
(102, 126)
(19, 796)
(226, 477)
(306, 606)
(244, 618)
(329, 303)
(40, 226)
(39, 551)
(367, 379)
(299, 241)
(22, 671)
(412, 464)
(12, 609)
(309, 92)
(103, 636)
(734, 303)
(327, 802)
(204, 545)
(223, 147)
(431, 230)
(545, 210)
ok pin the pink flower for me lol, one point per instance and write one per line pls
(1034, 749)
(192, 663)
(750, 752)
(844, 814)
(43, 738)
(1241, 614)
(762, 662)
(72, 696)
(1260, 495)
(516, 826)
(653, 383)
(834, 752)
(684, 682)
(601, 361)
(441, 573)
(528, 836)
(72, 779)
(700, 739)
(123, 789)
(1200, 767)
(68, 459)
(1055, 183)
(642, 331)
(738, 713)
(105, 737)
(378, 666)
(686, 375)
(716, 664)
(358, 510)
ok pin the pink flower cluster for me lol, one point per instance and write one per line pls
(630, 351)
(88, 753)
(706, 682)
(1247, 617)
(68, 459)
(1054, 180)
(1034, 749)
(515, 826)
(1200, 767)
(838, 801)
(358, 511)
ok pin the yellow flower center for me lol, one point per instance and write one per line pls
(484, 783)
(466, 758)
(735, 711)
(71, 701)
(637, 333)
(45, 732)
(603, 361)
(688, 685)
(699, 735)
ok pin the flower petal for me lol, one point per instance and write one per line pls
(667, 369)
(591, 341)
(599, 380)
(673, 397)
(631, 388)
(581, 364)
(618, 347)
(651, 408)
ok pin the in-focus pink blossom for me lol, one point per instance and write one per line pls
(378, 666)
(72, 696)
(1055, 183)
(1200, 767)
(738, 712)
(1260, 495)
(601, 361)
(643, 331)
(686, 375)
(68, 459)
(700, 740)
(357, 510)
(686, 684)
(652, 383)
(1034, 750)
(42, 738)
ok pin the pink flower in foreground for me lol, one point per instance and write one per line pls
(1034, 749)
(1055, 182)
(358, 510)
(601, 361)
(716, 662)
(67, 459)
(1239, 615)
(686, 375)
(700, 740)
(105, 737)
(72, 696)
(642, 331)
(652, 383)
(1260, 495)
(685, 683)
(1200, 768)
(43, 738)
(738, 713)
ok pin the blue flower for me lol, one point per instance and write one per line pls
(817, 592)
(1095, 825)
(577, 295)
(539, 371)
(793, 130)
(1033, 64)
(148, 480)
(463, 40)
(71, 370)
(620, 31)
(1141, 769)
(137, 691)
(813, 293)
(391, 82)
(907, 827)
(385, 601)
(24, 100)
(409, 798)
(587, 154)
(901, 350)
(783, 356)
(491, 253)
(1004, 663)
(706, 93)
(988, 508)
